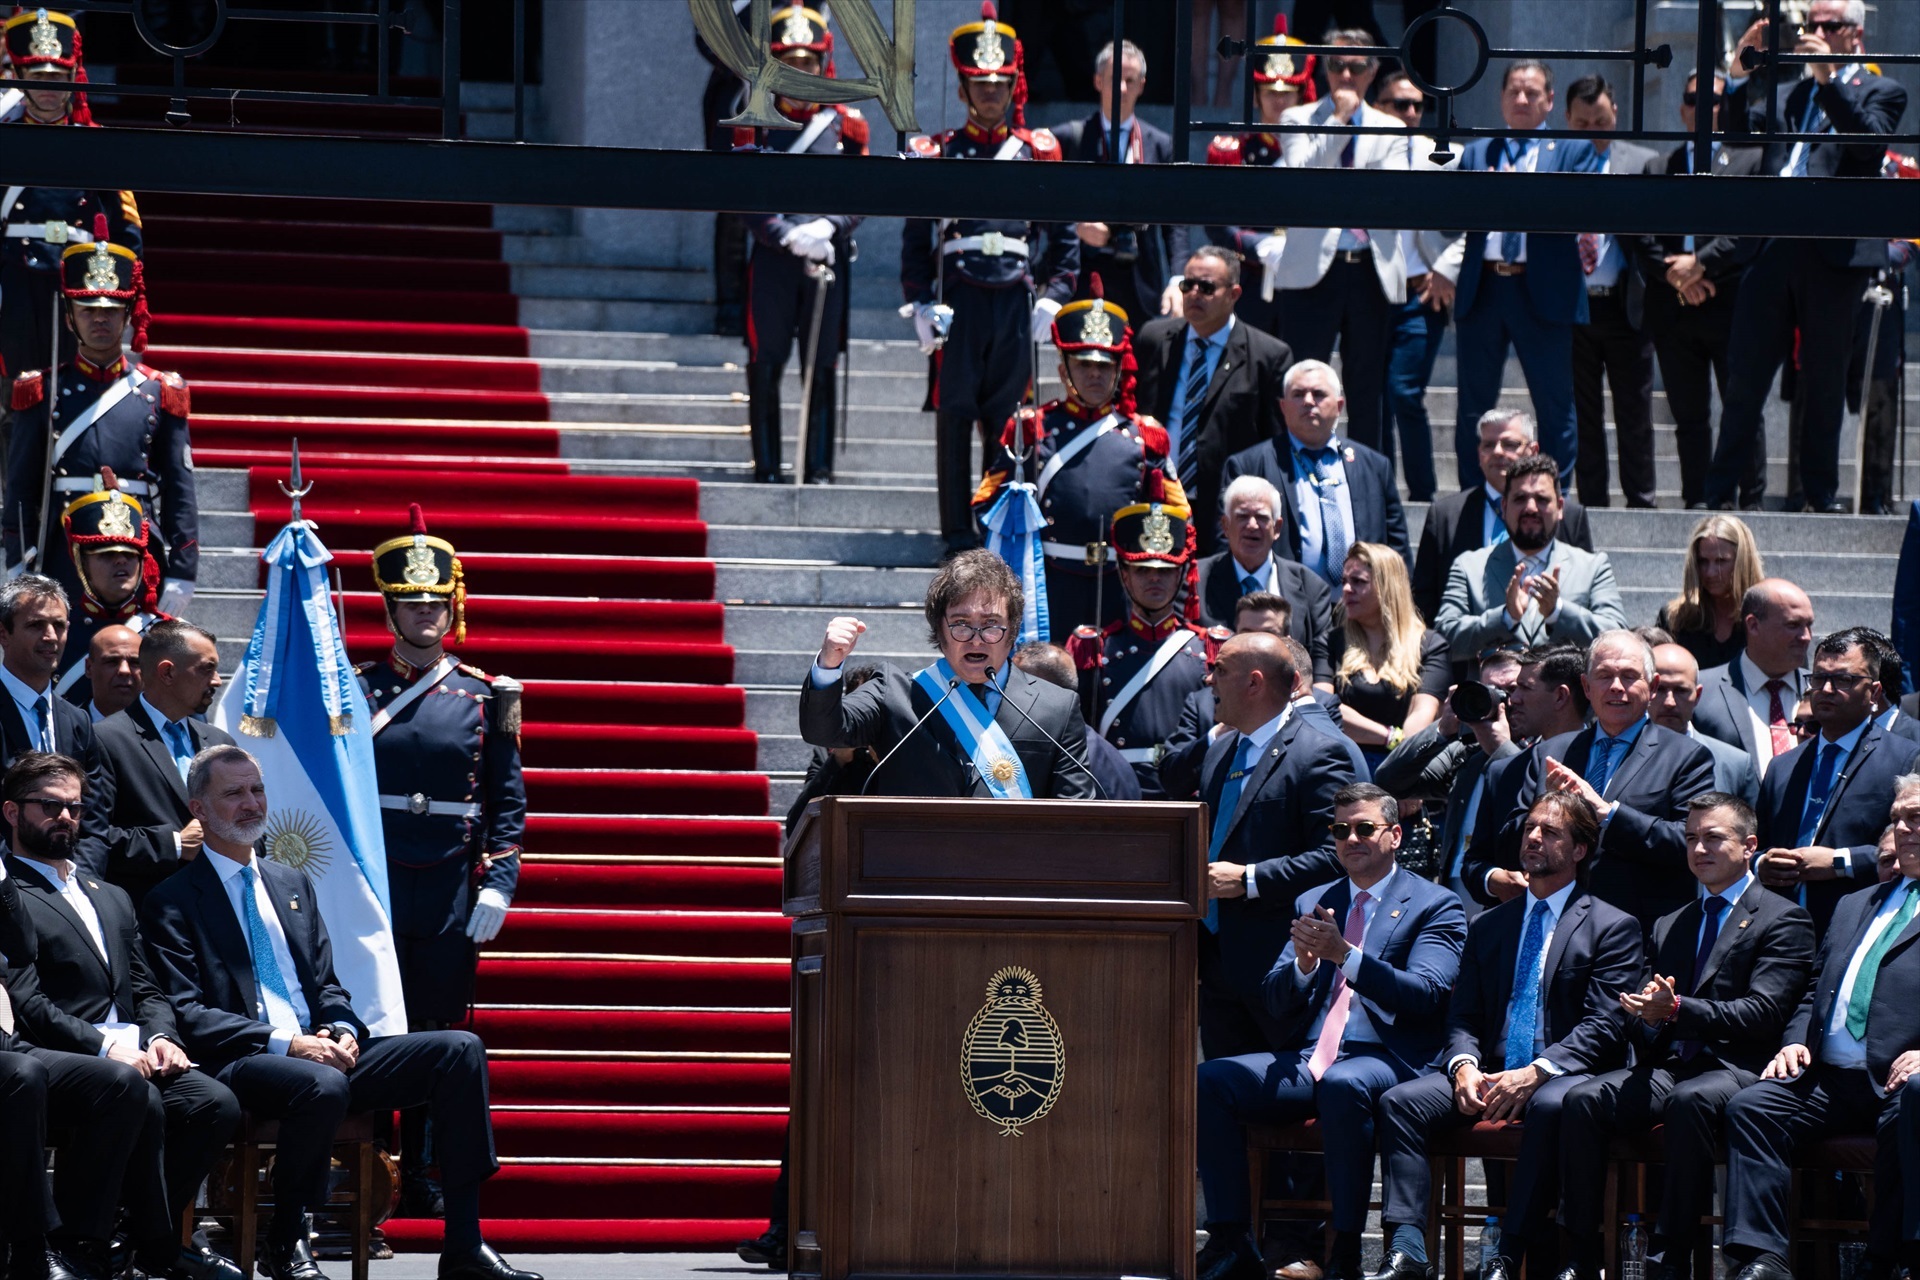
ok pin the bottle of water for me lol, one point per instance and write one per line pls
(1633, 1249)
(1489, 1244)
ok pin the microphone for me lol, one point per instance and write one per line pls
(1050, 738)
(875, 771)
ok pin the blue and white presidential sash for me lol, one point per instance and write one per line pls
(985, 741)
(1013, 524)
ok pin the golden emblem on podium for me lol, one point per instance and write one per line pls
(1011, 1059)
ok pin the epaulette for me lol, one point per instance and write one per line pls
(1216, 636)
(174, 396)
(1175, 493)
(29, 389)
(1224, 149)
(1153, 435)
(1086, 647)
(364, 667)
(1045, 145)
(853, 127)
(928, 145)
(989, 487)
(130, 209)
(476, 673)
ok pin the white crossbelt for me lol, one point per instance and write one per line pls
(92, 484)
(417, 803)
(993, 244)
(1075, 551)
(1143, 755)
(51, 232)
(1175, 643)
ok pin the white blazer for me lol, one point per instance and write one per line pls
(1309, 250)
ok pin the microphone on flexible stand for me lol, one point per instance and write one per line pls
(1050, 738)
(875, 771)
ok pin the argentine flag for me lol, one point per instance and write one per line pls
(296, 705)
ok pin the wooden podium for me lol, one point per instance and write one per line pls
(994, 1036)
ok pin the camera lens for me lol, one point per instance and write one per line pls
(1474, 702)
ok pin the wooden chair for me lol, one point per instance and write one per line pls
(1264, 1140)
(353, 1145)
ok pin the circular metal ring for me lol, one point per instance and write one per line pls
(143, 23)
(1480, 45)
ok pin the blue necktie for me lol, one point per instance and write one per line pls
(1815, 121)
(1333, 530)
(1523, 1009)
(1499, 522)
(266, 969)
(42, 722)
(1188, 464)
(1250, 584)
(181, 746)
(1604, 760)
(1511, 241)
(1711, 910)
(1819, 789)
(1223, 816)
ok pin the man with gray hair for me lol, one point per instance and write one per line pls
(1336, 492)
(1637, 776)
(1255, 512)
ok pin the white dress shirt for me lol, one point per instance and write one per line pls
(1359, 1029)
(24, 698)
(59, 876)
(1760, 706)
(229, 871)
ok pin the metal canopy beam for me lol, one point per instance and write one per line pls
(881, 186)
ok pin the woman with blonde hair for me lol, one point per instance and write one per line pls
(1722, 562)
(1390, 671)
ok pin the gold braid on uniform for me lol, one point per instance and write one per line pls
(459, 604)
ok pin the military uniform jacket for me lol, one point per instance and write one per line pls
(454, 766)
(1151, 715)
(39, 206)
(143, 437)
(843, 132)
(1080, 496)
(1051, 273)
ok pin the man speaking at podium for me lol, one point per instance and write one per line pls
(969, 724)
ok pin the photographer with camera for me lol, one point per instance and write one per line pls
(1449, 760)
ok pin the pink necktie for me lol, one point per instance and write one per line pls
(1335, 1026)
(1589, 252)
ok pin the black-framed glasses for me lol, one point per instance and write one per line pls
(1402, 104)
(1832, 27)
(53, 807)
(1842, 681)
(1348, 66)
(1205, 288)
(1692, 98)
(1363, 829)
(1806, 728)
(966, 632)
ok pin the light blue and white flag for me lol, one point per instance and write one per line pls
(296, 704)
(1013, 524)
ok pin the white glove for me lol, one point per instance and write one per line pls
(811, 240)
(489, 913)
(930, 323)
(1268, 249)
(175, 596)
(1043, 313)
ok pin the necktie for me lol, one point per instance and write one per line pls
(1333, 530)
(181, 746)
(1606, 758)
(1523, 1008)
(1327, 1048)
(1711, 910)
(1223, 816)
(43, 722)
(274, 995)
(1196, 389)
(1250, 584)
(1499, 522)
(1589, 252)
(1863, 982)
(1815, 121)
(1819, 789)
(1777, 726)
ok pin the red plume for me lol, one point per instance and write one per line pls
(987, 11)
(1129, 378)
(1099, 290)
(1192, 610)
(140, 313)
(100, 228)
(1279, 24)
(416, 519)
(80, 112)
(1156, 485)
(107, 479)
(1019, 82)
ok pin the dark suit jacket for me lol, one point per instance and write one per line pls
(1185, 749)
(1377, 514)
(1407, 968)
(73, 734)
(1595, 954)
(1755, 977)
(18, 948)
(1310, 597)
(202, 961)
(881, 712)
(1865, 104)
(1641, 864)
(73, 986)
(1163, 249)
(1455, 525)
(1855, 815)
(1555, 284)
(1487, 851)
(1280, 829)
(1723, 257)
(1241, 407)
(148, 798)
(1722, 710)
(1893, 1017)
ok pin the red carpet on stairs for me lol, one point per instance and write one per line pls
(635, 1006)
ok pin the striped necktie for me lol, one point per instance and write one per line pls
(1190, 397)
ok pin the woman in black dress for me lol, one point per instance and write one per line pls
(1389, 669)
(1704, 619)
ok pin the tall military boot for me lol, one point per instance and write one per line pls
(763, 420)
(820, 427)
(953, 467)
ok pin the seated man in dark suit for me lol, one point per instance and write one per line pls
(1846, 1068)
(1637, 776)
(1010, 723)
(1361, 992)
(1336, 492)
(1213, 382)
(238, 945)
(1469, 519)
(88, 991)
(1269, 783)
(147, 748)
(1537, 999)
(1255, 511)
(1729, 970)
(1824, 804)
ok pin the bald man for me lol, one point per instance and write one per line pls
(113, 672)
(1749, 702)
(1676, 692)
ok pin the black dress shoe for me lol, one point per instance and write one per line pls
(481, 1264)
(290, 1261)
(188, 1264)
(46, 1264)
(1574, 1271)
(1834, 508)
(1764, 1267)
(1400, 1267)
(1500, 1269)
(768, 1249)
(1222, 1261)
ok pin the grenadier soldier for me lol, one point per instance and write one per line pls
(40, 222)
(1281, 79)
(1143, 667)
(795, 258)
(109, 544)
(110, 414)
(446, 745)
(979, 290)
(1087, 455)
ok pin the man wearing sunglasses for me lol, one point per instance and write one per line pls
(1824, 804)
(1361, 993)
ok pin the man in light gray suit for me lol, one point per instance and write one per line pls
(1676, 691)
(1530, 588)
